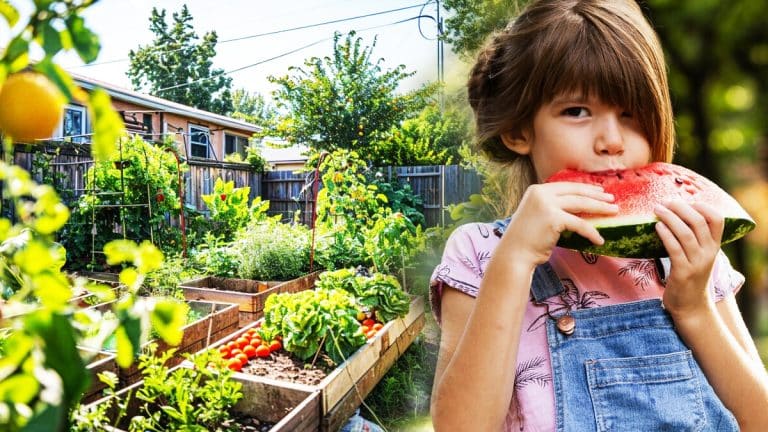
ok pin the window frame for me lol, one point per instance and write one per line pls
(193, 145)
(241, 144)
(80, 137)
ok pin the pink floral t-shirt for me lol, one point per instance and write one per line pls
(589, 280)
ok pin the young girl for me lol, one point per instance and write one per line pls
(644, 345)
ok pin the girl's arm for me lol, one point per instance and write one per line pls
(715, 333)
(474, 378)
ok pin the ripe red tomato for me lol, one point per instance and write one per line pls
(262, 351)
(223, 197)
(369, 322)
(234, 364)
(250, 351)
(275, 345)
(224, 352)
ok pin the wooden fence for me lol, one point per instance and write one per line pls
(437, 185)
(288, 192)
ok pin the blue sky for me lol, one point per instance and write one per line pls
(123, 25)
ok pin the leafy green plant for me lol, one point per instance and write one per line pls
(377, 292)
(228, 207)
(312, 320)
(215, 257)
(196, 398)
(272, 250)
(401, 199)
(135, 189)
(355, 224)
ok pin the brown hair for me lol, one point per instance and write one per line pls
(602, 48)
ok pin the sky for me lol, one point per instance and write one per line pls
(123, 25)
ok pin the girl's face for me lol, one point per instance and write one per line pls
(581, 133)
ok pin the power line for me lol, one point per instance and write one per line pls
(271, 33)
(286, 54)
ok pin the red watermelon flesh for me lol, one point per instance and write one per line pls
(631, 233)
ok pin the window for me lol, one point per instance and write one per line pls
(199, 141)
(235, 144)
(147, 123)
(73, 124)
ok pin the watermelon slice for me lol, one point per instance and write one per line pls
(631, 233)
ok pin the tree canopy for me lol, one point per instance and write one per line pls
(346, 100)
(178, 65)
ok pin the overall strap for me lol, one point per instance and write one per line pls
(545, 283)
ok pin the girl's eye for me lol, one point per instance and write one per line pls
(576, 112)
(627, 114)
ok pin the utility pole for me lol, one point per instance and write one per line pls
(440, 57)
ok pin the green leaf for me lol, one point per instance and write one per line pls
(58, 76)
(120, 251)
(107, 125)
(60, 348)
(19, 388)
(127, 337)
(85, 41)
(9, 12)
(17, 54)
(51, 39)
(168, 318)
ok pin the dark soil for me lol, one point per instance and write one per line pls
(282, 366)
(247, 424)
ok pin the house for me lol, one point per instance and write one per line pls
(282, 158)
(201, 135)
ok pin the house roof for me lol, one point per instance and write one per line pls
(284, 154)
(159, 104)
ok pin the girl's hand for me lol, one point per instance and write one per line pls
(691, 234)
(545, 211)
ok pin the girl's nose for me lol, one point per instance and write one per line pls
(609, 139)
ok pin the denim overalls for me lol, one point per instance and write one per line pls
(624, 368)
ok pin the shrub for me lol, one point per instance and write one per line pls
(271, 250)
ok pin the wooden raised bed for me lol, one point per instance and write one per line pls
(249, 294)
(101, 362)
(344, 389)
(291, 409)
(219, 320)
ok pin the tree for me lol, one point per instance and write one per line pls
(175, 66)
(433, 137)
(471, 21)
(342, 102)
(252, 108)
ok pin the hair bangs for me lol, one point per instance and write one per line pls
(587, 60)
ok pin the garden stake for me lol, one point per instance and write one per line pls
(210, 326)
(314, 209)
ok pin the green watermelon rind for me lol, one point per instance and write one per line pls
(640, 240)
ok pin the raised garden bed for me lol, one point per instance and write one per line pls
(342, 389)
(101, 362)
(218, 320)
(275, 409)
(249, 294)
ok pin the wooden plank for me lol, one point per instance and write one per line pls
(249, 295)
(346, 406)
